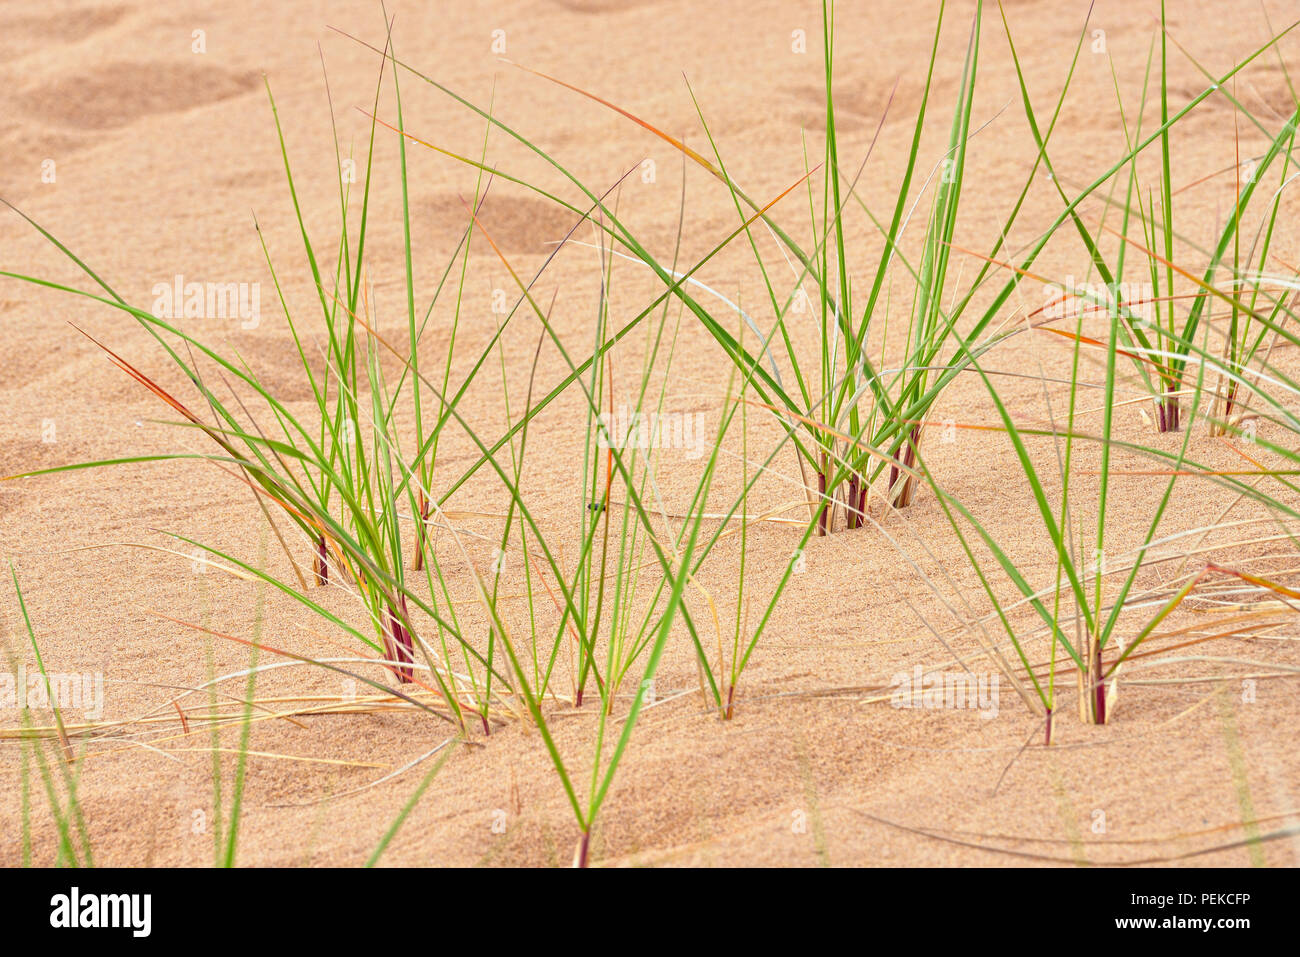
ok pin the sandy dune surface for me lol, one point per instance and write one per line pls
(165, 162)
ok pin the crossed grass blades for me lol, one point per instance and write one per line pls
(371, 504)
(838, 446)
(353, 483)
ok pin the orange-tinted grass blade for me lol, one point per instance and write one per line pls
(1097, 307)
(1255, 580)
(667, 138)
(1192, 642)
(1088, 340)
(176, 404)
(999, 262)
(1211, 290)
(153, 387)
(185, 722)
(1242, 452)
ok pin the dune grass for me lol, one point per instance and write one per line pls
(1163, 322)
(59, 772)
(465, 599)
(341, 475)
(846, 396)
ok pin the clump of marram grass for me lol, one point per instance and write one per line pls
(1164, 328)
(349, 477)
(853, 403)
(1084, 618)
(832, 422)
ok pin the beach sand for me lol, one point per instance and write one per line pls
(165, 158)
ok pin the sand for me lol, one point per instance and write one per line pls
(163, 156)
